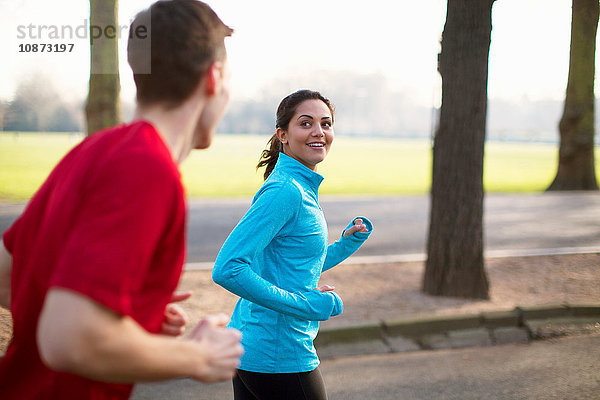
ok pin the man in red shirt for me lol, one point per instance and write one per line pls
(90, 268)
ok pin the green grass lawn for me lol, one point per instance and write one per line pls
(354, 165)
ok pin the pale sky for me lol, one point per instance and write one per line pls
(275, 38)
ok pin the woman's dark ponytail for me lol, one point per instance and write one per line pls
(269, 156)
(285, 112)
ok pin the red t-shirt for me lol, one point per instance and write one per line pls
(108, 223)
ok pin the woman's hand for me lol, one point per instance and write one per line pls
(325, 288)
(357, 227)
(175, 318)
(338, 306)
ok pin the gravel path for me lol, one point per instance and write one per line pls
(373, 292)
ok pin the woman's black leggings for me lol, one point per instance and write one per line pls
(295, 386)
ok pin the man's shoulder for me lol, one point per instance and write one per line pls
(119, 157)
(127, 137)
(136, 144)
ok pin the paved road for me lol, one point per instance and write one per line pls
(557, 369)
(532, 221)
(512, 221)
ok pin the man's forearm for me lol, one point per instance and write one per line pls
(79, 336)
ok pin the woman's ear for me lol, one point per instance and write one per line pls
(282, 135)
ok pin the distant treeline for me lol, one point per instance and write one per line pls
(364, 106)
(38, 107)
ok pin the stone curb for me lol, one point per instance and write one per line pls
(433, 332)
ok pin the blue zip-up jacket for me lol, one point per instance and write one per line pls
(273, 260)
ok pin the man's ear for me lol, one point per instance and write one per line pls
(282, 135)
(213, 78)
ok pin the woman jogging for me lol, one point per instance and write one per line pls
(274, 257)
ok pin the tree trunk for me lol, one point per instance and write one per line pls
(576, 169)
(455, 264)
(102, 108)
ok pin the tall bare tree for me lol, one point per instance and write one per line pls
(455, 264)
(576, 169)
(102, 107)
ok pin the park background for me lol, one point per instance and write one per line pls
(378, 64)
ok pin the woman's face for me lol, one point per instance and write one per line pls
(309, 134)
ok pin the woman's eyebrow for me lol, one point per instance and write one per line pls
(311, 117)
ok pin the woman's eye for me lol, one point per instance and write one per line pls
(326, 124)
(305, 123)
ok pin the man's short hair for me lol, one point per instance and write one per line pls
(184, 37)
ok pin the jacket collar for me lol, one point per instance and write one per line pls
(299, 171)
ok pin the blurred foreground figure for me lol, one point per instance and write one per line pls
(90, 268)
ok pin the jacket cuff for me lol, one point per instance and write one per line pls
(360, 236)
